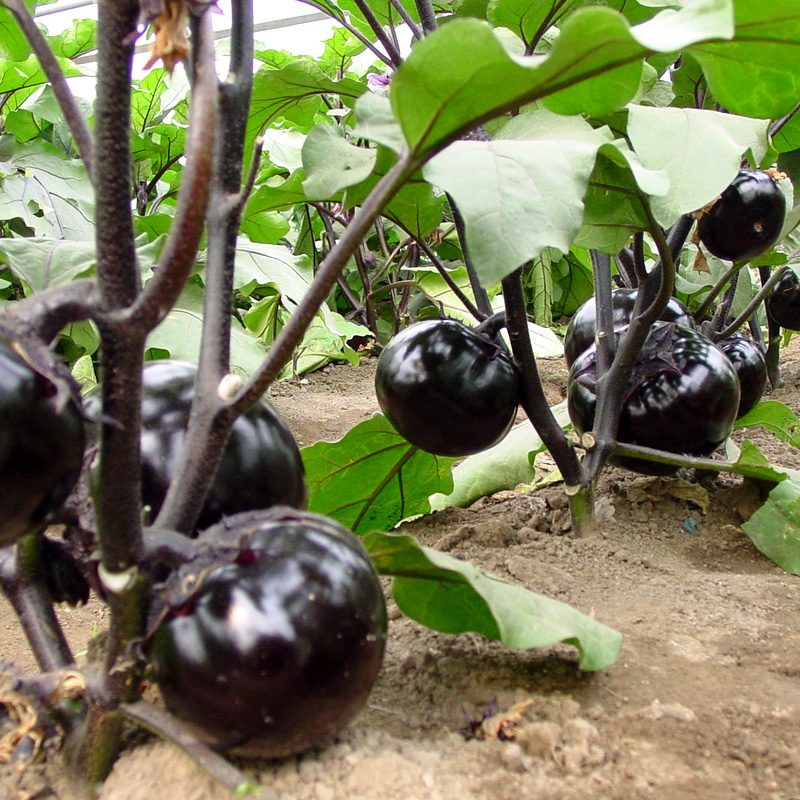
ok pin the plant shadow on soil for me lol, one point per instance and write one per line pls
(703, 703)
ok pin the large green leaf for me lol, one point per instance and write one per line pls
(452, 596)
(757, 74)
(180, 333)
(373, 478)
(44, 263)
(76, 40)
(332, 163)
(775, 417)
(462, 75)
(504, 466)
(259, 265)
(293, 93)
(701, 152)
(49, 191)
(775, 528)
(28, 74)
(519, 196)
(13, 43)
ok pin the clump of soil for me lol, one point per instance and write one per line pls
(703, 703)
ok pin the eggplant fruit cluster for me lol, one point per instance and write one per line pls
(273, 651)
(582, 327)
(447, 388)
(42, 439)
(682, 397)
(747, 218)
(260, 466)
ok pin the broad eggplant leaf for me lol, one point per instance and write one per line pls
(259, 265)
(331, 163)
(49, 191)
(13, 43)
(504, 466)
(453, 596)
(461, 75)
(519, 196)
(28, 74)
(775, 528)
(43, 263)
(701, 152)
(757, 74)
(293, 93)
(775, 417)
(373, 478)
(180, 332)
(75, 41)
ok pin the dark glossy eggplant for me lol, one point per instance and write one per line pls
(783, 301)
(260, 466)
(446, 388)
(272, 653)
(751, 368)
(42, 438)
(747, 218)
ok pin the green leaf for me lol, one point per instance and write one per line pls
(775, 417)
(264, 227)
(331, 163)
(179, 334)
(74, 41)
(259, 265)
(13, 43)
(376, 122)
(701, 152)
(757, 74)
(373, 478)
(518, 196)
(28, 74)
(49, 191)
(452, 596)
(613, 207)
(775, 528)
(461, 75)
(43, 263)
(269, 197)
(504, 466)
(293, 93)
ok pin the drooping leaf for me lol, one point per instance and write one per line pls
(518, 197)
(372, 478)
(758, 73)
(331, 163)
(775, 417)
(461, 75)
(453, 596)
(504, 466)
(701, 152)
(775, 527)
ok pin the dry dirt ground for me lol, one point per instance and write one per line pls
(703, 703)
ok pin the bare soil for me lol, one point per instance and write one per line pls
(703, 703)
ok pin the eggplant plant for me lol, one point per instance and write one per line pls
(515, 147)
